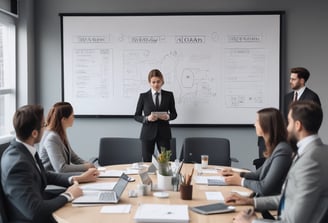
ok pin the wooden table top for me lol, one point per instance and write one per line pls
(70, 214)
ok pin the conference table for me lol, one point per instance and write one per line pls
(71, 214)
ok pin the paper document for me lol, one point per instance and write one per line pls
(120, 208)
(214, 196)
(207, 171)
(117, 173)
(98, 186)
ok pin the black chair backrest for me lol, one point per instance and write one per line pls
(218, 150)
(173, 148)
(261, 148)
(3, 216)
(119, 151)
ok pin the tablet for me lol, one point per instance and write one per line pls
(158, 113)
(213, 208)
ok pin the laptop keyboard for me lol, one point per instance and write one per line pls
(107, 196)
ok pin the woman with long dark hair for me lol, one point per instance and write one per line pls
(55, 150)
(269, 178)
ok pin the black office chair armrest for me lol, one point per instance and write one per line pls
(233, 159)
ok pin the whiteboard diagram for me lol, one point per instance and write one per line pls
(221, 68)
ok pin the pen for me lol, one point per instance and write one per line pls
(190, 176)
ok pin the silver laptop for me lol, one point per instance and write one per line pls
(104, 197)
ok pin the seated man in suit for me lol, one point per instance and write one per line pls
(23, 177)
(304, 197)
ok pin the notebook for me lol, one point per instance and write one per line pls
(215, 208)
(162, 213)
(210, 180)
(104, 197)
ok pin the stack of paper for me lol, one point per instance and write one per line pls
(117, 173)
(162, 213)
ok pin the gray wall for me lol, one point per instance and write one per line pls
(304, 45)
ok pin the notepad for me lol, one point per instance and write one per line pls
(162, 213)
(210, 180)
(215, 208)
(117, 173)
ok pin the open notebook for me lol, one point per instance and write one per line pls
(104, 197)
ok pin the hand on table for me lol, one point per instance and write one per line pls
(233, 179)
(236, 199)
(227, 172)
(88, 176)
(74, 190)
(246, 216)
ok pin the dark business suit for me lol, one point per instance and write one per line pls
(307, 94)
(158, 131)
(269, 178)
(306, 196)
(24, 186)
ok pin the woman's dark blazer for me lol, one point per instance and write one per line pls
(159, 128)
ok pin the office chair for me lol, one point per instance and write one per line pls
(119, 151)
(218, 150)
(173, 147)
(261, 148)
(3, 208)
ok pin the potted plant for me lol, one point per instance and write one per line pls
(164, 162)
(164, 175)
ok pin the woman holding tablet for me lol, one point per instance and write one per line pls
(155, 109)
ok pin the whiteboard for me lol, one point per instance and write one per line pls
(222, 68)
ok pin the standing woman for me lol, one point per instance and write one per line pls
(155, 127)
(269, 178)
(55, 151)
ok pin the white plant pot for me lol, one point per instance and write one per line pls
(164, 182)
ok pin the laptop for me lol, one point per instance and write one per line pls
(104, 197)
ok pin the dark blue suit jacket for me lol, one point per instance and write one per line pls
(308, 94)
(158, 128)
(24, 186)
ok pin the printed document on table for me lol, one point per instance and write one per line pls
(120, 208)
(214, 196)
(98, 186)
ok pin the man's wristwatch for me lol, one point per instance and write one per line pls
(68, 195)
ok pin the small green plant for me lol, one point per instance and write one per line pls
(164, 156)
(164, 162)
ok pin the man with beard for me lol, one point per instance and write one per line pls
(24, 179)
(304, 197)
(298, 78)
